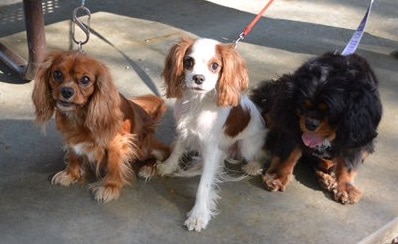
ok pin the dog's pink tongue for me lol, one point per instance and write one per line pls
(312, 140)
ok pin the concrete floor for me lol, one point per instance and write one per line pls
(132, 37)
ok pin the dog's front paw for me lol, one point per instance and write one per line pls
(63, 178)
(197, 221)
(252, 168)
(326, 181)
(147, 172)
(347, 193)
(274, 182)
(166, 168)
(105, 193)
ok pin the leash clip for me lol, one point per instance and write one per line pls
(85, 27)
(249, 28)
(240, 38)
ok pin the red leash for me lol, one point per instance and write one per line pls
(247, 30)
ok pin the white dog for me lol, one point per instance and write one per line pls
(213, 115)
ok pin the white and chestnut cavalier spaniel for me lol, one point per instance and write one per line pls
(214, 117)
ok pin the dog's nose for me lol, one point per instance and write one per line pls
(67, 92)
(312, 124)
(199, 79)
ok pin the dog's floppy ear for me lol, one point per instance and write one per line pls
(103, 114)
(173, 72)
(42, 95)
(234, 78)
(362, 115)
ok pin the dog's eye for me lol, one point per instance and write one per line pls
(308, 105)
(323, 107)
(214, 67)
(58, 76)
(85, 80)
(188, 62)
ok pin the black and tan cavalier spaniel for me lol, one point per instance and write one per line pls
(327, 110)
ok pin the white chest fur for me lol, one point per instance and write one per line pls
(200, 117)
(83, 149)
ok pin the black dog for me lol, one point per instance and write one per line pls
(328, 110)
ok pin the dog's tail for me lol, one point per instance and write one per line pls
(153, 105)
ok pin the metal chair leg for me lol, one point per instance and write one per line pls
(34, 22)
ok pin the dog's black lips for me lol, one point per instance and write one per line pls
(65, 103)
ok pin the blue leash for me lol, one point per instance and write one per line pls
(356, 37)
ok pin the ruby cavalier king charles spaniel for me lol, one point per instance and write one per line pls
(214, 117)
(104, 132)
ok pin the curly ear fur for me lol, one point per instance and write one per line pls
(42, 94)
(234, 78)
(103, 115)
(173, 72)
(362, 115)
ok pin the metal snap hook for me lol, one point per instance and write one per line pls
(85, 27)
